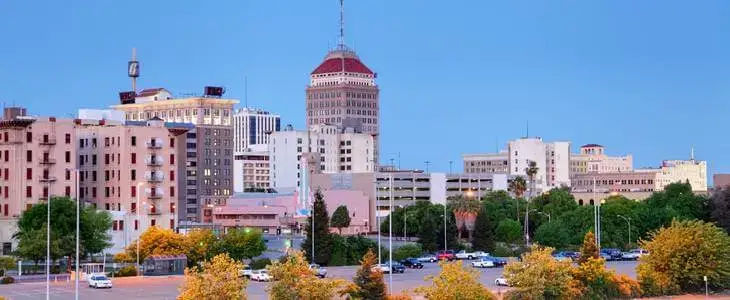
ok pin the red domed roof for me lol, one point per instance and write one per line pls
(333, 65)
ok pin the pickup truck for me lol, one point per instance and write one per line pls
(470, 255)
(446, 255)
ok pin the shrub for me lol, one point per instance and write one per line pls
(540, 276)
(7, 280)
(126, 271)
(406, 251)
(455, 282)
(257, 264)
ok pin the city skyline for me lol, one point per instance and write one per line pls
(624, 87)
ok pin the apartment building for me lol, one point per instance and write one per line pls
(252, 169)
(552, 160)
(209, 158)
(37, 159)
(132, 168)
(320, 149)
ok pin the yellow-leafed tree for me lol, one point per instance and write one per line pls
(540, 276)
(293, 279)
(156, 241)
(217, 279)
(455, 282)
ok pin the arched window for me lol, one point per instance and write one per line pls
(580, 202)
(591, 202)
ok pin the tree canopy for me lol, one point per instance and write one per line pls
(322, 237)
(217, 279)
(341, 218)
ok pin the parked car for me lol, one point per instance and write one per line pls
(612, 253)
(260, 275)
(446, 255)
(498, 262)
(384, 268)
(561, 257)
(412, 263)
(501, 281)
(634, 254)
(318, 270)
(428, 258)
(483, 263)
(245, 272)
(572, 254)
(398, 267)
(99, 281)
(606, 256)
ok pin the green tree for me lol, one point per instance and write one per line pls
(483, 232)
(518, 186)
(589, 249)
(6, 263)
(681, 254)
(322, 236)
(200, 244)
(241, 243)
(431, 228)
(369, 285)
(406, 251)
(553, 234)
(721, 208)
(509, 231)
(32, 245)
(465, 211)
(341, 218)
(216, 280)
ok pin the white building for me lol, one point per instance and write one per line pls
(673, 171)
(593, 159)
(325, 148)
(252, 127)
(552, 160)
(251, 169)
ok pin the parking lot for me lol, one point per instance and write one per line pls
(167, 287)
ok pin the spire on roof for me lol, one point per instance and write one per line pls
(342, 24)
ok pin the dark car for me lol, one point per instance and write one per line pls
(572, 254)
(498, 262)
(412, 263)
(612, 253)
(397, 267)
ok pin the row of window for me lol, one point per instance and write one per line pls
(331, 95)
(44, 140)
(589, 182)
(153, 159)
(118, 225)
(215, 112)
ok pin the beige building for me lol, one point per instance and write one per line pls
(692, 171)
(134, 169)
(593, 159)
(37, 159)
(209, 146)
(252, 169)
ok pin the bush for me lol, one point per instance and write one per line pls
(257, 264)
(126, 271)
(7, 280)
(406, 251)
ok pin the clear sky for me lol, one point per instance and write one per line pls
(650, 78)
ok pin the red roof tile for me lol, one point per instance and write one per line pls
(149, 92)
(333, 65)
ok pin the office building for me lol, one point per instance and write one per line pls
(252, 169)
(209, 154)
(673, 171)
(253, 127)
(323, 148)
(37, 161)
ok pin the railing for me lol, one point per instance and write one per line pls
(154, 177)
(154, 195)
(154, 144)
(47, 141)
(153, 161)
(46, 161)
(47, 178)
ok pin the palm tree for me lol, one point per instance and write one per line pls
(465, 212)
(531, 171)
(517, 186)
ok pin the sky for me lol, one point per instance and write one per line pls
(647, 78)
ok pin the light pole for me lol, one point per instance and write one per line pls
(628, 220)
(390, 239)
(542, 213)
(377, 213)
(139, 223)
(78, 230)
(445, 246)
(48, 242)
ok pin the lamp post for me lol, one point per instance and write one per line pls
(78, 230)
(390, 239)
(139, 222)
(48, 242)
(377, 212)
(628, 220)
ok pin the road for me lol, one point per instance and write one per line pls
(167, 287)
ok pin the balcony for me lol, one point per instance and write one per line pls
(47, 179)
(10, 142)
(154, 144)
(154, 193)
(46, 161)
(154, 177)
(47, 141)
(154, 212)
(153, 161)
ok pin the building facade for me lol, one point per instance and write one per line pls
(253, 127)
(692, 171)
(593, 159)
(252, 169)
(209, 172)
(323, 148)
(37, 161)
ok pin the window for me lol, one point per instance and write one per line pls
(93, 159)
(68, 175)
(172, 159)
(133, 174)
(106, 176)
(29, 137)
(121, 225)
(115, 226)
(28, 156)
(136, 223)
(93, 192)
(93, 175)
(153, 222)
(172, 175)
(106, 206)
(172, 191)
(81, 160)
(172, 208)
(134, 143)
(106, 159)
(68, 156)
(68, 138)
(5, 209)
(7, 155)
(28, 191)
(29, 173)
(134, 158)
(172, 223)
(172, 143)
(68, 191)
(133, 193)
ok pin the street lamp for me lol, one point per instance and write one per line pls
(139, 222)
(78, 211)
(628, 220)
(48, 242)
(390, 239)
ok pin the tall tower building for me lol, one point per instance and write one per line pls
(342, 92)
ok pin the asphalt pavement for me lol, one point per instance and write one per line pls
(166, 287)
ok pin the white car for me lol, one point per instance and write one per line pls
(428, 258)
(383, 268)
(245, 272)
(260, 275)
(483, 263)
(501, 281)
(634, 254)
(318, 270)
(470, 255)
(99, 281)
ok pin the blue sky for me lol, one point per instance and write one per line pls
(650, 78)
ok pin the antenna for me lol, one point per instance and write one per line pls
(342, 23)
(245, 91)
(528, 129)
(692, 153)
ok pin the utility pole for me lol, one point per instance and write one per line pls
(428, 163)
